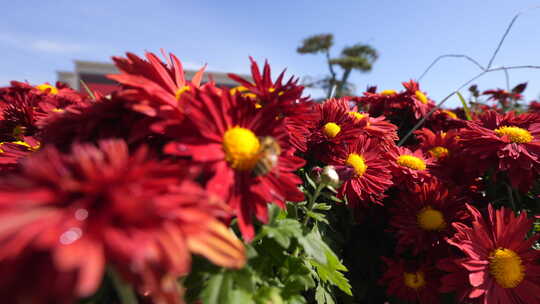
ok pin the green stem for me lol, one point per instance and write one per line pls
(312, 201)
(124, 290)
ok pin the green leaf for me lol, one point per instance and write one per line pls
(319, 217)
(295, 275)
(322, 206)
(296, 299)
(310, 181)
(274, 212)
(268, 295)
(465, 106)
(332, 197)
(328, 265)
(283, 230)
(314, 246)
(331, 272)
(217, 289)
(322, 296)
(241, 296)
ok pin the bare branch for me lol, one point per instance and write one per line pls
(486, 70)
(508, 28)
(450, 56)
(438, 106)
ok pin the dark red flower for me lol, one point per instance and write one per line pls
(23, 108)
(155, 86)
(423, 217)
(501, 264)
(444, 120)
(534, 106)
(369, 175)
(246, 149)
(267, 92)
(412, 281)
(504, 97)
(409, 167)
(335, 129)
(11, 153)
(105, 118)
(71, 215)
(440, 145)
(509, 143)
(419, 103)
(285, 99)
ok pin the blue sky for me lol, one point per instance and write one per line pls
(38, 38)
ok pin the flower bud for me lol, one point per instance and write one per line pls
(330, 177)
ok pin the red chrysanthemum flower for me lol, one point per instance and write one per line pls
(245, 148)
(335, 129)
(420, 104)
(411, 281)
(381, 103)
(23, 108)
(376, 128)
(444, 120)
(267, 92)
(440, 145)
(286, 99)
(423, 217)
(18, 115)
(410, 167)
(504, 97)
(450, 163)
(11, 153)
(534, 106)
(502, 266)
(157, 87)
(369, 175)
(457, 279)
(105, 118)
(78, 213)
(509, 143)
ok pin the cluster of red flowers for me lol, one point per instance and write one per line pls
(137, 181)
(449, 236)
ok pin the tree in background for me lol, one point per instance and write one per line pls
(359, 57)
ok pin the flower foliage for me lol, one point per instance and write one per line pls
(177, 190)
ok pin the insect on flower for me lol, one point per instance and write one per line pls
(269, 152)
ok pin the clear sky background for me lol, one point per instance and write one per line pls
(37, 38)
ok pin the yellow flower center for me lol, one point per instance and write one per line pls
(421, 96)
(44, 87)
(238, 89)
(505, 266)
(515, 134)
(357, 162)
(450, 113)
(22, 143)
(430, 219)
(331, 129)
(356, 115)
(388, 92)
(411, 162)
(241, 148)
(439, 152)
(414, 280)
(181, 91)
